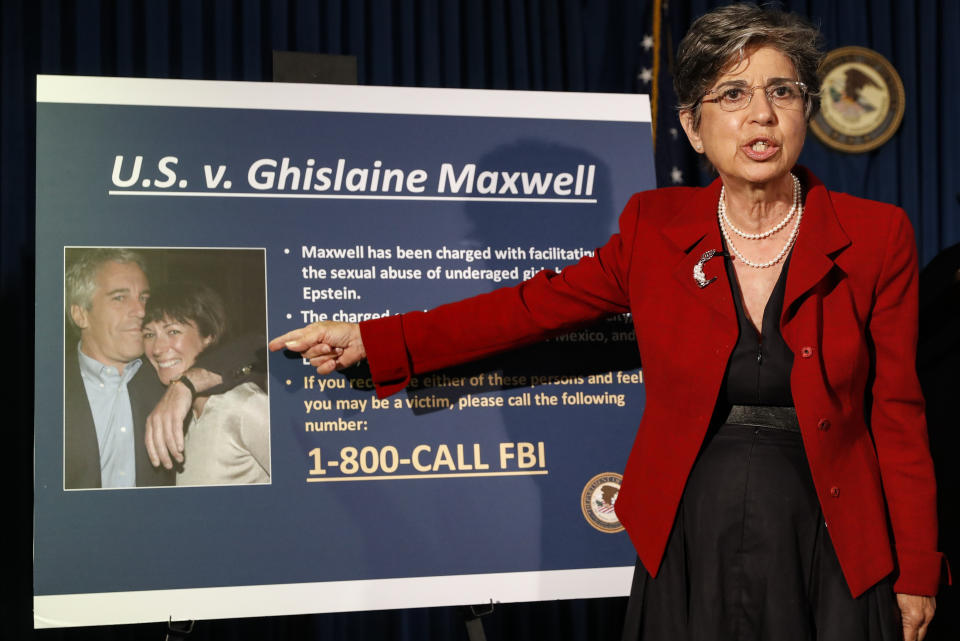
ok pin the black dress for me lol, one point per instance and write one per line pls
(749, 556)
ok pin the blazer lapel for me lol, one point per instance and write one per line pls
(819, 241)
(693, 231)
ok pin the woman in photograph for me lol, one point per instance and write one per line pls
(227, 441)
(780, 485)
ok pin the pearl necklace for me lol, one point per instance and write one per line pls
(722, 209)
(783, 252)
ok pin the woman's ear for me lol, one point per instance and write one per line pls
(693, 135)
(206, 340)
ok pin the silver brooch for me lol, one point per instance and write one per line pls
(698, 274)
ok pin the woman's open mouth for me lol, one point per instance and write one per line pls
(760, 148)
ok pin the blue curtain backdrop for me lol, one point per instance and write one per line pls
(557, 45)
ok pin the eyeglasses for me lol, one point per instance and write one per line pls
(786, 94)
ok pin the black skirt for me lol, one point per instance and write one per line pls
(750, 558)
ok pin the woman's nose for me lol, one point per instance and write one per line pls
(761, 108)
(159, 345)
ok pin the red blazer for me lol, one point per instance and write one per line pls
(850, 317)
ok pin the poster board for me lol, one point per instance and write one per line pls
(490, 481)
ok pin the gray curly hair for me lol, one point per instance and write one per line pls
(82, 265)
(719, 38)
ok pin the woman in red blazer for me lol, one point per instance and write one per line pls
(780, 485)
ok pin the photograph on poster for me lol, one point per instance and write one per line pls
(135, 321)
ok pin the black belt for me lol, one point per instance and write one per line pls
(778, 418)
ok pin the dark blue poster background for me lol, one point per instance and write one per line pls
(306, 526)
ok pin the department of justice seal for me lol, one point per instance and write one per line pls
(598, 499)
(861, 100)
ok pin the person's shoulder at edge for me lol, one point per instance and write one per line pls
(251, 392)
(244, 394)
(247, 408)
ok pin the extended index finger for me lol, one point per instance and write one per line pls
(298, 337)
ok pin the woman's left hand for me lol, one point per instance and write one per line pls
(916, 612)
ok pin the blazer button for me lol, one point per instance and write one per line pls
(806, 351)
(834, 491)
(823, 425)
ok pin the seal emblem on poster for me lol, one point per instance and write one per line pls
(597, 501)
(861, 100)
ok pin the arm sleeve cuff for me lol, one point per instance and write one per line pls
(921, 572)
(386, 354)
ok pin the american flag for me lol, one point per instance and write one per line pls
(676, 163)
